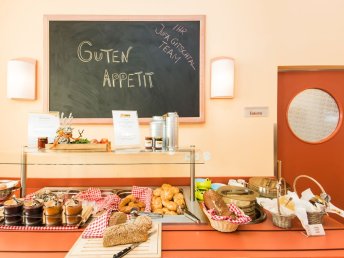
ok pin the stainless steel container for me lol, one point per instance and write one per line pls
(157, 127)
(171, 129)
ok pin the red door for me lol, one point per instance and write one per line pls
(305, 145)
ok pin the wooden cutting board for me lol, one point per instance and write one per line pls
(93, 247)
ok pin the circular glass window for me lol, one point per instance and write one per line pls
(313, 115)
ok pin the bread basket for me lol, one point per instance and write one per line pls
(313, 217)
(6, 193)
(279, 220)
(223, 223)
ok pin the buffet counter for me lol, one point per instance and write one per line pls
(186, 239)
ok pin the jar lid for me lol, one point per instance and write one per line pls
(157, 118)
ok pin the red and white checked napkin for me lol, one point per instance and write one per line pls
(39, 228)
(241, 218)
(91, 194)
(143, 194)
(96, 228)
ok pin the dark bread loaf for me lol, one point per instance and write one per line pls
(213, 200)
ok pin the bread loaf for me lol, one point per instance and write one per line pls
(127, 233)
(213, 200)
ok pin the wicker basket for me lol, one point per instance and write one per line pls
(221, 225)
(313, 217)
(279, 220)
(5, 194)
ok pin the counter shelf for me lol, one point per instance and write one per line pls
(31, 157)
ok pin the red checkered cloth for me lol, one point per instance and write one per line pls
(241, 218)
(39, 228)
(143, 194)
(110, 202)
(96, 228)
(91, 194)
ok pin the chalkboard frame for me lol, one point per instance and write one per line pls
(164, 18)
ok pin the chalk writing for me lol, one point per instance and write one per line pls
(180, 29)
(169, 51)
(129, 80)
(109, 55)
(172, 46)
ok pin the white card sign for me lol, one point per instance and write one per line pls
(42, 125)
(126, 129)
(315, 230)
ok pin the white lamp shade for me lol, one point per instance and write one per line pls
(222, 78)
(21, 79)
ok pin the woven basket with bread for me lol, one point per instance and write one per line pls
(222, 217)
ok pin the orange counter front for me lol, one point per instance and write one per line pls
(260, 240)
(189, 240)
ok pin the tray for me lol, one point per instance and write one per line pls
(86, 214)
(79, 147)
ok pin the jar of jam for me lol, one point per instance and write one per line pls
(148, 143)
(158, 143)
(41, 142)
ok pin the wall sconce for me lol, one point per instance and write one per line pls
(21, 79)
(222, 78)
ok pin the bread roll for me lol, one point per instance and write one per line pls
(117, 218)
(213, 200)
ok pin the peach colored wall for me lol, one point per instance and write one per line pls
(259, 34)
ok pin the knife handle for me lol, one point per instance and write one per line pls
(122, 253)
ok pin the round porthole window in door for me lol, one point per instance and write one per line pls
(313, 115)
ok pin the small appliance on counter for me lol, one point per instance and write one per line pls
(163, 133)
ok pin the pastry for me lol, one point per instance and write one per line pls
(168, 200)
(129, 203)
(156, 203)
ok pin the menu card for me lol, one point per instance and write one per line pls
(126, 129)
(42, 125)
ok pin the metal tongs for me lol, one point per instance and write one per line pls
(135, 212)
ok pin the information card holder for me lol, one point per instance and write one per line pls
(315, 230)
(42, 125)
(126, 129)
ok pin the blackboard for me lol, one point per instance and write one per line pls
(152, 64)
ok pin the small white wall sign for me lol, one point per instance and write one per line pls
(256, 111)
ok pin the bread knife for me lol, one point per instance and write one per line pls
(126, 250)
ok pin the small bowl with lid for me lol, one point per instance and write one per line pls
(203, 183)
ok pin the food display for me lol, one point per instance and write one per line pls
(129, 203)
(168, 200)
(65, 140)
